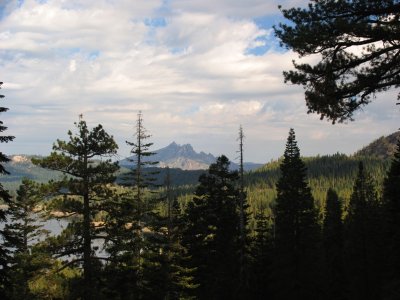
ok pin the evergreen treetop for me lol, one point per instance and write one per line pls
(296, 230)
(5, 198)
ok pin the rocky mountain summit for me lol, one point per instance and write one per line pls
(185, 157)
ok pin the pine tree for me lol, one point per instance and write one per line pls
(179, 279)
(261, 259)
(243, 222)
(85, 158)
(355, 44)
(333, 247)
(5, 198)
(132, 223)
(391, 201)
(212, 231)
(363, 240)
(24, 231)
(296, 230)
(141, 179)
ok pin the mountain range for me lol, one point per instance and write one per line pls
(186, 165)
(186, 158)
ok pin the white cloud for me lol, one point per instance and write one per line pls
(192, 76)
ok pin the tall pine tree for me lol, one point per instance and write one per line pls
(4, 198)
(261, 259)
(24, 232)
(212, 232)
(363, 248)
(130, 225)
(85, 159)
(296, 230)
(333, 248)
(391, 201)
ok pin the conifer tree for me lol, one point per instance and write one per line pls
(211, 235)
(85, 158)
(132, 222)
(179, 279)
(391, 201)
(243, 220)
(5, 198)
(333, 247)
(261, 254)
(296, 230)
(141, 154)
(24, 231)
(363, 240)
(355, 43)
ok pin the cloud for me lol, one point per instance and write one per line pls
(235, 8)
(192, 67)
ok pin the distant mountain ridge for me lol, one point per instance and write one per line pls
(186, 158)
(187, 165)
(383, 147)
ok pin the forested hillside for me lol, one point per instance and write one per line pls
(336, 171)
(384, 147)
(202, 238)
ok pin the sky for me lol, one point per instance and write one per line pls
(197, 69)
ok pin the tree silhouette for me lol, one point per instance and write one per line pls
(132, 224)
(24, 232)
(85, 159)
(296, 230)
(5, 198)
(363, 248)
(391, 201)
(333, 247)
(212, 230)
(356, 43)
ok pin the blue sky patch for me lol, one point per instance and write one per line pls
(267, 22)
(93, 55)
(178, 50)
(3, 5)
(155, 22)
(270, 41)
(65, 52)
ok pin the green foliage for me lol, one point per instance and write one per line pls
(86, 190)
(179, 177)
(296, 230)
(363, 240)
(391, 202)
(261, 258)
(332, 233)
(336, 171)
(141, 177)
(55, 284)
(134, 238)
(4, 198)
(23, 233)
(345, 78)
(211, 233)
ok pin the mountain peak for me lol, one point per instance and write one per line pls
(180, 156)
(184, 157)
